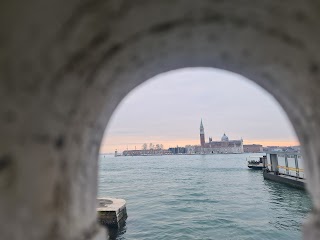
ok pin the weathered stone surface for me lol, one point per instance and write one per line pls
(66, 65)
(112, 211)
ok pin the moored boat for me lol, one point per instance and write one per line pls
(256, 163)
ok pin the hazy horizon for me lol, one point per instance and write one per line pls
(167, 110)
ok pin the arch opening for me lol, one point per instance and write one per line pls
(80, 61)
(222, 89)
(131, 116)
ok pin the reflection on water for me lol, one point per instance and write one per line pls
(117, 232)
(200, 197)
(292, 199)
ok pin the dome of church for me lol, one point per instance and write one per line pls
(224, 138)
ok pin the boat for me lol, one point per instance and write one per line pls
(256, 162)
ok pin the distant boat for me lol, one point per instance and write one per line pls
(256, 163)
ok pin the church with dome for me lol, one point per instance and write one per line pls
(215, 147)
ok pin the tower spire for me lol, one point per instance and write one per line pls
(201, 127)
(202, 139)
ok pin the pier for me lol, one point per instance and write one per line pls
(285, 167)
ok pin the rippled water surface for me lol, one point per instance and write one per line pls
(200, 197)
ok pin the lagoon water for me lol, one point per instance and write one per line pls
(200, 197)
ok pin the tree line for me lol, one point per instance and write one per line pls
(152, 146)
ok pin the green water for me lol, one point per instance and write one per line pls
(200, 197)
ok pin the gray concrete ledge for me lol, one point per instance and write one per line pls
(111, 211)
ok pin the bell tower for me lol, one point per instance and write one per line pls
(202, 139)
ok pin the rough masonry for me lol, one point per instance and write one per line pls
(66, 65)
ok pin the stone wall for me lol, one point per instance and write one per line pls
(66, 65)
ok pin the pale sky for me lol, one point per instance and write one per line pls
(167, 109)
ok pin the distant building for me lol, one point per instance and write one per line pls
(282, 149)
(178, 150)
(252, 148)
(274, 149)
(213, 147)
(146, 152)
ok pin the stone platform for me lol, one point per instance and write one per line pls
(111, 211)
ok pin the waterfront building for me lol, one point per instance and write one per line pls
(177, 150)
(282, 149)
(252, 148)
(213, 147)
(146, 152)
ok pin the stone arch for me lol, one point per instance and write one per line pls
(66, 66)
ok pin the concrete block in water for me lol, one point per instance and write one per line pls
(111, 211)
